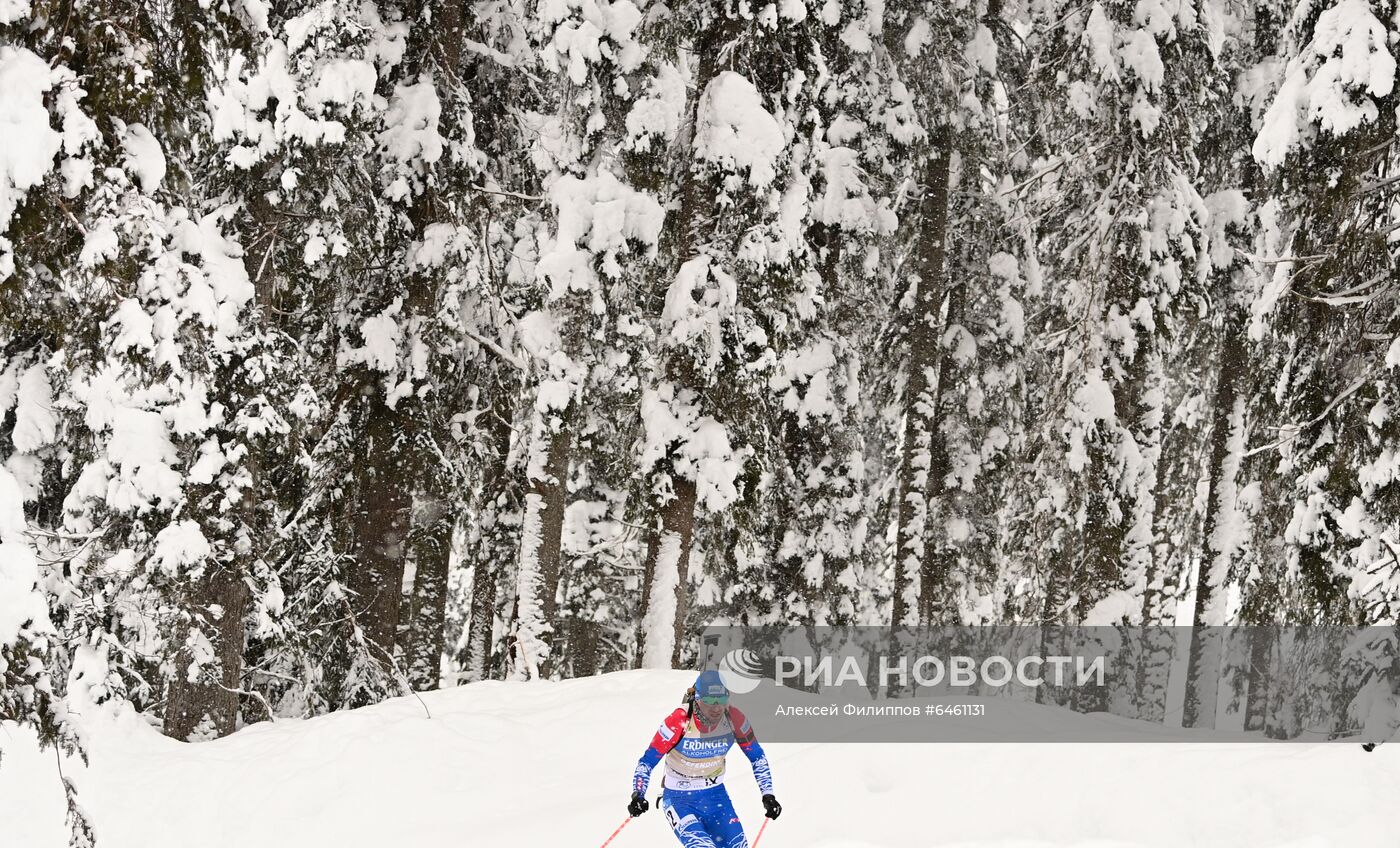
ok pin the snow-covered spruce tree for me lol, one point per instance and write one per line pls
(45, 164)
(715, 328)
(490, 290)
(431, 167)
(1118, 192)
(821, 257)
(599, 232)
(41, 97)
(303, 118)
(481, 595)
(1325, 537)
(916, 590)
(881, 327)
(1120, 188)
(957, 313)
(233, 489)
(754, 391)
(378, 374)
(474, 613)
(982, 389)
(805, 272)
(39, 94)
(158, 377)
(1263, 490)
(1236, 197)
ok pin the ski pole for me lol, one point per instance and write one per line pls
(760, 832)
(616, 832)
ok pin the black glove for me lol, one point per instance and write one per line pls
(638, 804)
(771, 807)
(1368, 747)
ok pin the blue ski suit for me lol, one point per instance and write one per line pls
(693, 799)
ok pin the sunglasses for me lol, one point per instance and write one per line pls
(714, 699)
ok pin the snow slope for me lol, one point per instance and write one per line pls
(547, 765)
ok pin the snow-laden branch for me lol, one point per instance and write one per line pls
(1297, 429)
(500, 352)
(531, 198)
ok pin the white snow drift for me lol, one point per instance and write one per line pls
(548, 765)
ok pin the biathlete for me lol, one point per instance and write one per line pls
(693, 741)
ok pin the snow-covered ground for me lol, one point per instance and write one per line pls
(548, 765)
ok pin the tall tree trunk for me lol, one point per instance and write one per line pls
(1177, 523)
(1118, 550)
(583, 647)
(1226, 448)
(435, 520)
(920, 403)
(207, 706)
(1157, 641)
(936, 606)
(1142, 533)
(1261, 642)
(496, 541)
(476, 655)
(540, 536)
(434, 523)
(664, 575)
(665, 579)
(380, 523)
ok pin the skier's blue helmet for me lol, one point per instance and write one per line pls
(710, 685)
